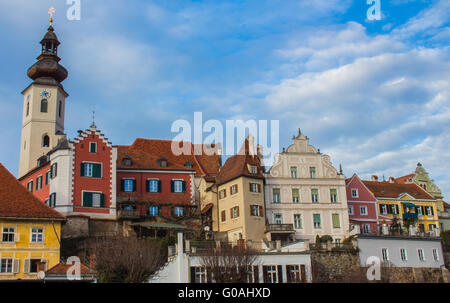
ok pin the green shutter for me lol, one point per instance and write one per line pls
(171, 186)
(87, 199)
(147, 186)
(134, 185)
(82, 169)
(102, 200)
(159, 186)
(46, 178)
(184, 186)
(97, 170)
(122, 185)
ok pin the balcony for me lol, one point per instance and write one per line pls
(277, 228)
(407, 216)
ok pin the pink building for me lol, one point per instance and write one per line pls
(362, 206)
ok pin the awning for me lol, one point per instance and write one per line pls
(161, 225)
(409, 204)
(207, 208)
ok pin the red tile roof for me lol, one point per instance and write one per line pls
(236, 166)
(204, 165)
(386, 189)
(404, 179)
(16, 201)
(62, 268)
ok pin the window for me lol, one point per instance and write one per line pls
(30, 186)
(37, 235)
(385, 254)
(276, 195)
(355, 193)
(223, 215)
(198, 274)
(394, 209)
(255, 188)
(52, 200)
(178, 211)
(297, 221)
(234, 189)
(278, 218)
(335, 219)
(33, 265)
(333, 195)
(44, 106)
(222, 193)
(60, 108)
(153, 186)
(128, 185)
(256, 210)
(162, 162)
(126, 161)
(28, 108)
(38, 183)
(431, 227)
(403, 255)
(435, 254)
(234, 212)
(383, 209)
(46, 141)
(295, 195)
(429, 210)
(92, 170)
(53, 170)
(6, 266)
(188, 164)
(293, 172)
(153, 211)
(47, 177)
(350, 209)
(271, 274)
(93, 147)
(363, 210)
(312, 172)
(253, 169)
(178, 186)
(293, 273)
(419, 211)
(315, 195)
(366, 228)
(8, 234)
(421, 254)
(316, 220)
(93, 199)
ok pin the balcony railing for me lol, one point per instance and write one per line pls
(129, 214)
(410, 216)
(280, 228)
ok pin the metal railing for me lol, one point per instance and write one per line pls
(279, 227)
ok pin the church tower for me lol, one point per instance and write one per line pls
(44, 104)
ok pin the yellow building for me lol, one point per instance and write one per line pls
(239, 208)
(410, 203)
(30, 231)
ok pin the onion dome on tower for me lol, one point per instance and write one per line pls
(47, 69)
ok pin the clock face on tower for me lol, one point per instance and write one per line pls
(45, 94)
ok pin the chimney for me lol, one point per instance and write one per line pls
(259, 153)
(391, 180)
(374, 178)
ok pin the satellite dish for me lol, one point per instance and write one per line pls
(41, 275)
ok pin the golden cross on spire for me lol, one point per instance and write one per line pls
(51, 11)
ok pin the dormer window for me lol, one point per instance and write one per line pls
(162, 162)
(188, 164)
(126, 161)
(253, 169)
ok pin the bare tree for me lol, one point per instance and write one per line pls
(229, 264)
(125, 259)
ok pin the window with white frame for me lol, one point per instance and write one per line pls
(37, 235)
(153, 185)
(256, 210)
(234, 189)
(278, 218)
(315, 195)
(312, 172)
(294, 172)
(421, 254)
(350, 210)
(429, 211)
(153, 211)
(6, 265)
(270, 274)
(254, 187)
(316, 221)
(30, 186)
(355, 193)
(234, 212)
(253, 169)
(435, 254)
(366, 228)
(222, 193)
(363, 210)
(385, 254)
(403, 255)
(178, 186)
(276, 195)
(383, 208)
(8, 234)
(93, 147)
(128, 185)
(297, 221)
(295, 195)
(199, 274)
(333, 195)
(179, 211)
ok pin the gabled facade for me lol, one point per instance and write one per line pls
(30, 231)
(305, 195)
(409, 203)
(362, 206)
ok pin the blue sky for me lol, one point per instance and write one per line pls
(374, 95)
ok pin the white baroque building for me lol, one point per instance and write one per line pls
(305, 195)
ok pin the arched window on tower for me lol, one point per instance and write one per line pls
(28, 108)
(60, 108)
(46, 141)
(44, 106)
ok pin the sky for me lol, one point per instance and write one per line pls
(372, 94)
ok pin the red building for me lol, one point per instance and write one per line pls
(362, 206)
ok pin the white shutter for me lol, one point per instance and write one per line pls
(26, 266)
(46, 264)
(16, 266)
